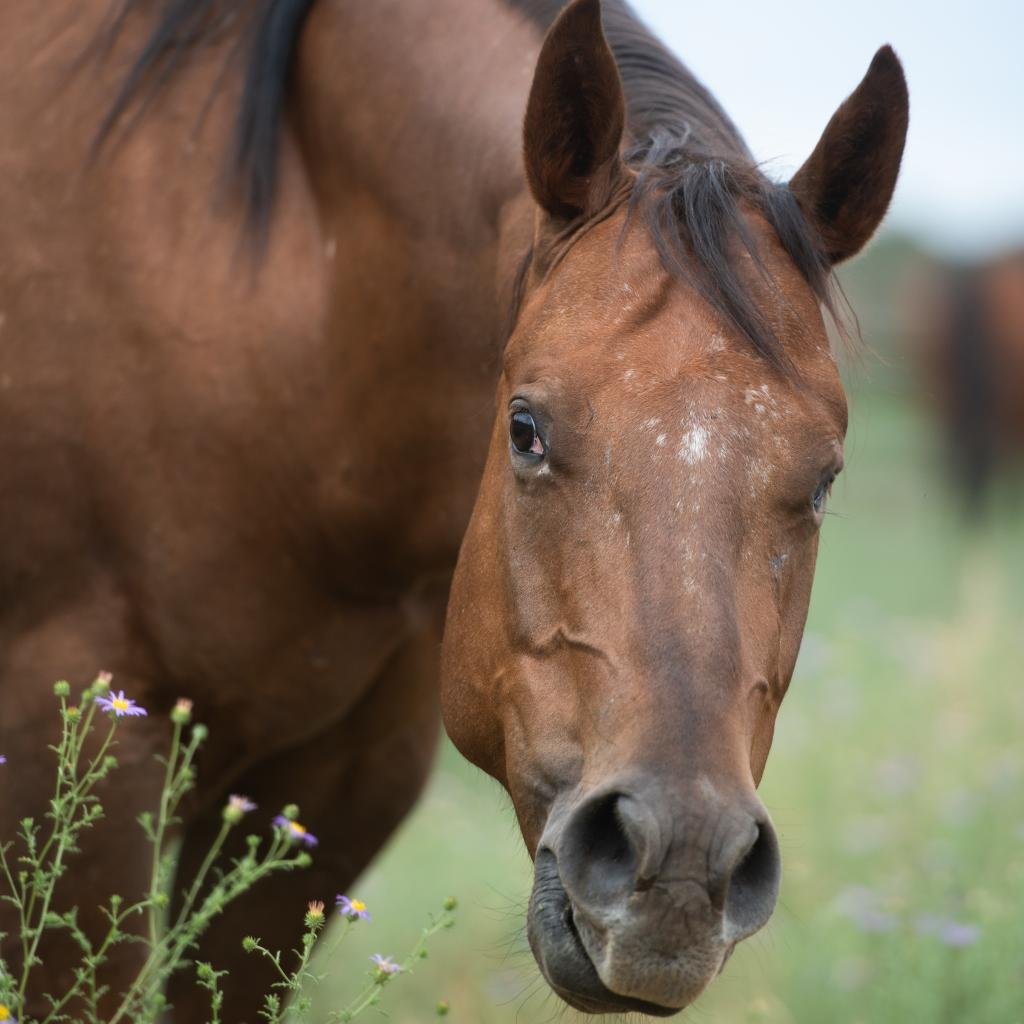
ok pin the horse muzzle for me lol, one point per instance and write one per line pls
(638, 901)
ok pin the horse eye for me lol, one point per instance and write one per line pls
(522, 431)
(821, 495)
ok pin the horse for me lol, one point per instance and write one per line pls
(968, 332)
(365, 365)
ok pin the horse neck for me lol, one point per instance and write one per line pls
(416, 110)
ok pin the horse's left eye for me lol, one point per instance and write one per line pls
(821, 495)
(522, 432)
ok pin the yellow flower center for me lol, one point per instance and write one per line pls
(5, 1014)
(296, 828)
(358, 906)
(120, 704)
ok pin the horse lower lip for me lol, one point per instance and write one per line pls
(553, 930)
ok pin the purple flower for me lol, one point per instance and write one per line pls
(864, 908)
(954, 934)
(957, 935)
(385, 965)
(296, 832)
(120, 705)
(354, 910)
(237, 808)
(3, 759)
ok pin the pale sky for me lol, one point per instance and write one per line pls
(780, 69)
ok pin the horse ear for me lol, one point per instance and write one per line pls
(575, 116)
(845, 186)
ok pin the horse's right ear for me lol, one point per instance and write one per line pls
(575, 116)
(845, 186)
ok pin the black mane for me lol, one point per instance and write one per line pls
(266, 32)
(694, 172)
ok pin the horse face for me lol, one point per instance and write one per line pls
(627, 612)
(631, 592)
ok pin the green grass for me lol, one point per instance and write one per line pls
(896, 783)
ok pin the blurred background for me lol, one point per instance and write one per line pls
(896, 779)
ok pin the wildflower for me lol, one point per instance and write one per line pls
(237, 807)
(865, 909)
(181, 713)
(62, 688)
(314, 912)
(102, 682)
(954, 934)
(295, 831)
(385, 966)
(442, 1008)
(120, 705)
(958, 935)
(3, 759)
(354, 910)
(5, 1014)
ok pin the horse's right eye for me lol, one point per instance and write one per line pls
(522, 432)
(820, 496)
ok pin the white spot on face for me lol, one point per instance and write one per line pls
(760, 476)
(652, 424)
(544, 470)
(629, 375)
(694, 445)
(660, 440)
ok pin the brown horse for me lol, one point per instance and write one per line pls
(969, 330)
(248, 481)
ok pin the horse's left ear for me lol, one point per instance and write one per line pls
(575, 116)
(845, 186)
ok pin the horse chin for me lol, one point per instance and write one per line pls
(562, 956)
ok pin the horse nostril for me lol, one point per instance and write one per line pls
(602, 848)
(754, 885)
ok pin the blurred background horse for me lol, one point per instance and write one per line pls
(967, 323)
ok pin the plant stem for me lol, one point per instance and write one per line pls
(157, 916)
(62, 823)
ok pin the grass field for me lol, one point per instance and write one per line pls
(896, 783)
